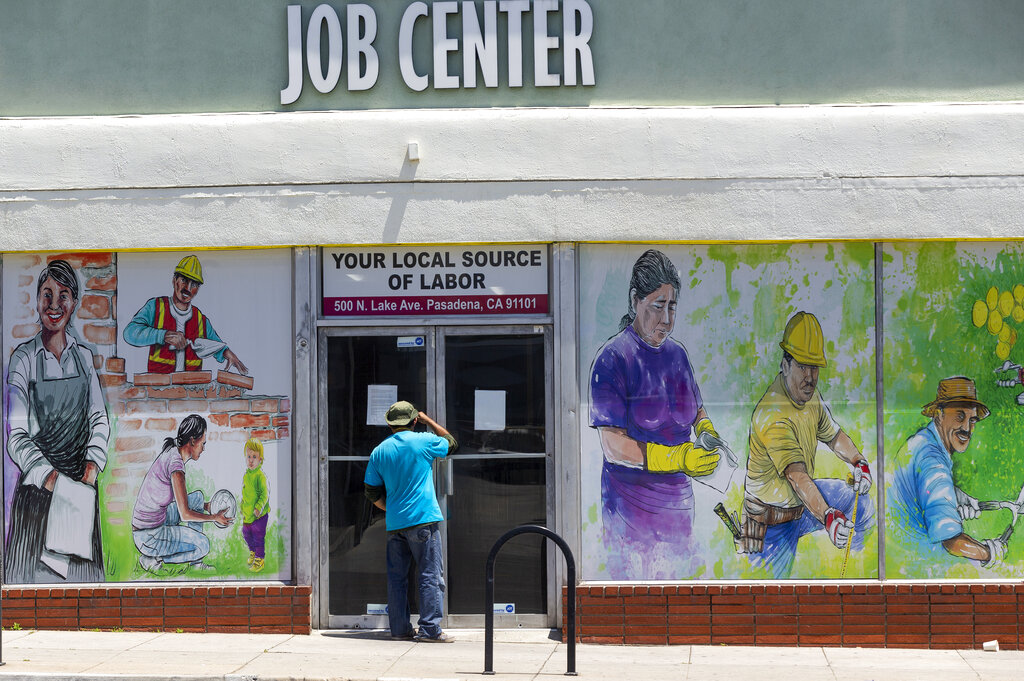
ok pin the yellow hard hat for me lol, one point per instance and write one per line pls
(804, 340)
(190, 267)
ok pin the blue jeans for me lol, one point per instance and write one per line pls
(422, 545)
(173, 542)
(780, 540)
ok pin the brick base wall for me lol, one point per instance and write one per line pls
(232, 609)
(868, 615)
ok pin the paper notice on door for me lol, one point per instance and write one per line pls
(378, 399)
(489, 410)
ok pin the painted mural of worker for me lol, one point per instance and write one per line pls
(647, 408)
(782, 499)
(177, 333)
(58, 440)
(926, 505)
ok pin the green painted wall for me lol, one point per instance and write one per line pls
(60, 57)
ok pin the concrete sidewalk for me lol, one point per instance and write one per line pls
(519, 655)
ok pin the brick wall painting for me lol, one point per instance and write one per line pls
(83, 431)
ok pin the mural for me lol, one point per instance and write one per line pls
(730, 402)
(106, 426)
(952, 418)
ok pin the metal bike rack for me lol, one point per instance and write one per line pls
(489, 595)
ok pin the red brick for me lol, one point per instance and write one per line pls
(229, 405)
(820, 639)
(234, 379)
(645, 600)
(141, 621)
(602, 630)
(176, 392)
(112, 380)
(982, 609)
(908, 619)
(776, 630)
(689, 630)
(84, 259)
(191, 377)
(592, 620)
(102, 283)
(249, 421)
(775, 640)
(151, 379)
(57, 622)
(820, 622)
(612, 640)
(863, 628)
(262, 621)
(190, 406)
(228, 628)
(101, 335)
(597, 609)
(865, 640)
(683, 640)
(99, 602)
(733, 640)
(93, 306)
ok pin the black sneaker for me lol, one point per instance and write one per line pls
(441, 638)
(408, 636)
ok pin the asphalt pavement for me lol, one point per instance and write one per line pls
(519, 655)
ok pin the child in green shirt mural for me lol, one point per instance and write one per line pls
(255, 504)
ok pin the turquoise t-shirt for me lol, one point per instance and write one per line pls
(402, 464)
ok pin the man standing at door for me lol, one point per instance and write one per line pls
(399, 480)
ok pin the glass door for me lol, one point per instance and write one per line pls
(496, 401)
(363, 372)
(490, 387)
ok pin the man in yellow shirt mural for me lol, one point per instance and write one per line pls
(782, 499)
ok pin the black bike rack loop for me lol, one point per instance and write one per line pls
(489, 595)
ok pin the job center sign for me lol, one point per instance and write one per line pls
(474, 280)
(552, 34)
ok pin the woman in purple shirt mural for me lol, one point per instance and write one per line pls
(647, 408)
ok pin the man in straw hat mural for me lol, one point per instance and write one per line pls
(930, 507)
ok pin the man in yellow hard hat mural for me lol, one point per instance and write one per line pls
(782, 499)
(178, 334)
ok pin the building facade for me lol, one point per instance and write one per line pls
(571, 231)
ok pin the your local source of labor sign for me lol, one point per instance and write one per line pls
(427, 281)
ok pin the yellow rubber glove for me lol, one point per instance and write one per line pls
(683, 458)
(704, 425)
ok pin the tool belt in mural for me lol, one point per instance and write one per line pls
(757, 516)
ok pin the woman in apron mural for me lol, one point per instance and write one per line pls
(655, 434)
(58, 440)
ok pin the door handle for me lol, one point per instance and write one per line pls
(445, 477)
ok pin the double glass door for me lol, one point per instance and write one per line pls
(489, 386)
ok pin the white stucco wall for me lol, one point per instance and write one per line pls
(658, 174)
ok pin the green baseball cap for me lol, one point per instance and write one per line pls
(401, 414)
